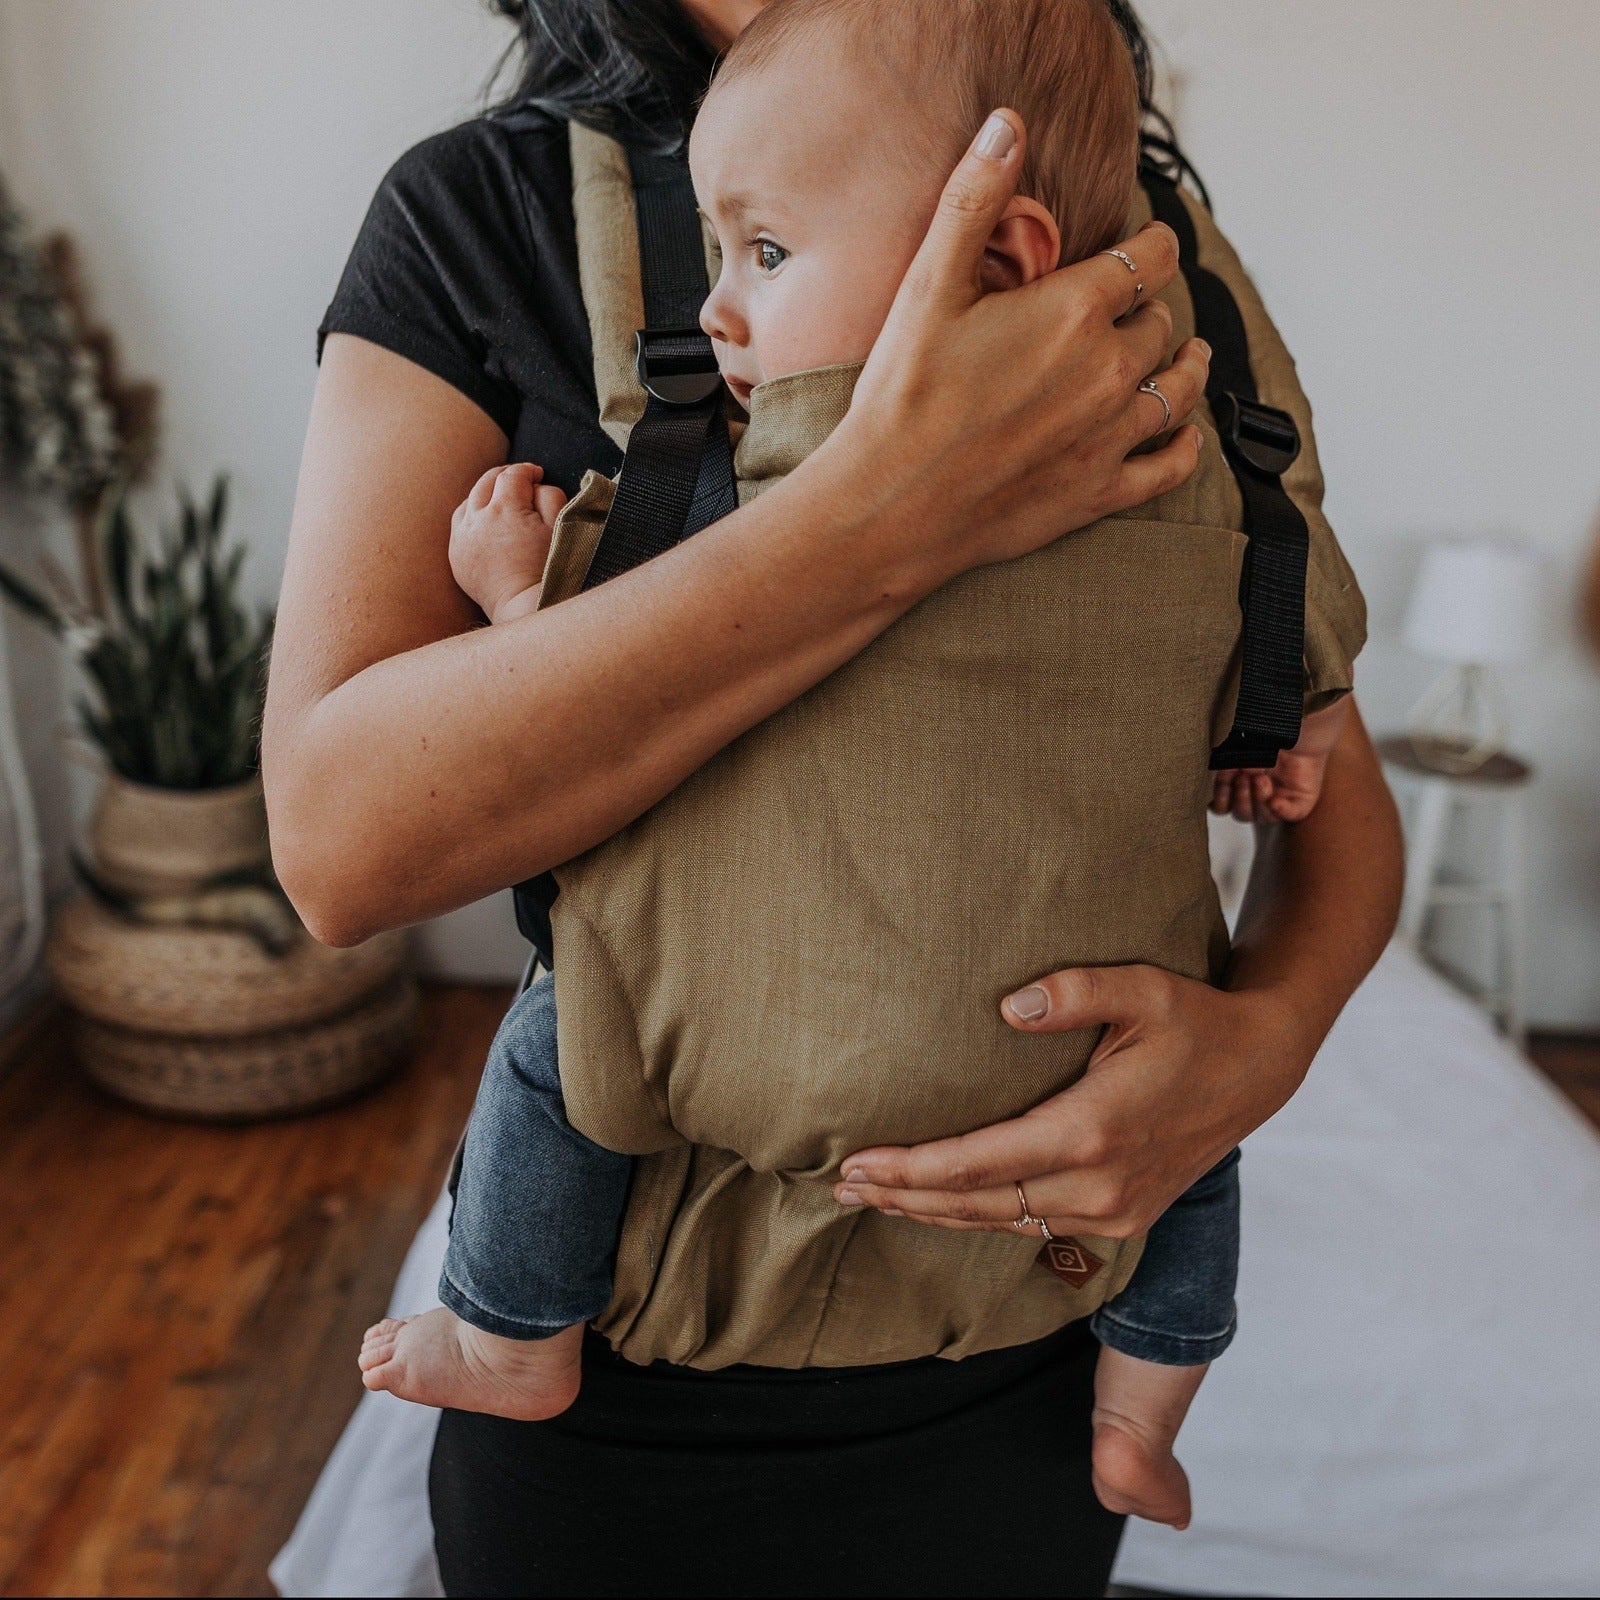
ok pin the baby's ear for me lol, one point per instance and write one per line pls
(1025, 244)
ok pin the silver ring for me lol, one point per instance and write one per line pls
(1044, 1228)
(1133, 267)
(1149, 387)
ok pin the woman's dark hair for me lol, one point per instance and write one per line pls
(637, 68)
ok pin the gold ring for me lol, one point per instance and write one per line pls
(1027, 1219)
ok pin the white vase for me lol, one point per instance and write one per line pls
(149, 841)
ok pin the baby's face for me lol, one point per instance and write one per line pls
(819, 210)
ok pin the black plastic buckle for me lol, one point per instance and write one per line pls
(677, 365)
(1263, 436)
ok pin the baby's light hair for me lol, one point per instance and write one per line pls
(1063, 65)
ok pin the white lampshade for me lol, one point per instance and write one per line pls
(1475, 602)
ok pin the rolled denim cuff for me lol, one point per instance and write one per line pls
(457, 1300)
(1165, 1349)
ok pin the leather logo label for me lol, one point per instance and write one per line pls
(1070, 1261)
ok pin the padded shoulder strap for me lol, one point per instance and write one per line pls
(677, 474)
(1260, 442)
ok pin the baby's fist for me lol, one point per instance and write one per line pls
(1289, 791)
(500, 538)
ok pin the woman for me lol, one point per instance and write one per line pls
(467, 761)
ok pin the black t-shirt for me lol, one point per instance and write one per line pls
(467, 264)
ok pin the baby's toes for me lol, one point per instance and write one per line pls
(378, 1345)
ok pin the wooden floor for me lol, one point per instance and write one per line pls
(180, 1308)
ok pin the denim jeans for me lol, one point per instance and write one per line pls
(1178, 1307)
(538, 1207)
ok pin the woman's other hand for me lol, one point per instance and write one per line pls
(1014, 415)
(1165, 1097)
(1183, 1071)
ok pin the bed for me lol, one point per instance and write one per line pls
(1412, 1406)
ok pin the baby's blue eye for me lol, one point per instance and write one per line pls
(771, 256)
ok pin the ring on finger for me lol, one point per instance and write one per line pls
(1149, 386)
(1027, 1218)
(1133, 267)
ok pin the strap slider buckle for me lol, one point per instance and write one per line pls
(1263, 436)
(678, 366)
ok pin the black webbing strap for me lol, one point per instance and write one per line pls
(1260, 443)
(677, 475)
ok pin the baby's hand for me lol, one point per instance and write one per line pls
(500, 536)
(1289, 791)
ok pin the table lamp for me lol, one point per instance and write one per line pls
(1476, 606)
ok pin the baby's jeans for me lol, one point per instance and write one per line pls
(1178, 1307)
(538, 1207)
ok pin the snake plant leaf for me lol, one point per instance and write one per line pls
(175, 678)
(118, 556)
(32, 602)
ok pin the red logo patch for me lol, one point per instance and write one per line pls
(1070, 1261)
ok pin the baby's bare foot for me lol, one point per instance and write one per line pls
(439, 1360)
(1139, 1407)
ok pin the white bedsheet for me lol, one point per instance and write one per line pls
(1412, 1406)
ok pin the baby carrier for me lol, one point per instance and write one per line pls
(800, 952)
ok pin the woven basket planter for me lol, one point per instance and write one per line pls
(259, 1075)
(172, 841)
(206, 982)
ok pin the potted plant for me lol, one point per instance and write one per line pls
(192, 988)
(174, 666)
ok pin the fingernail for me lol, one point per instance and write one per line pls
(1030, 1004)
(996, 139)
(848, 1197)
(1204, 348)
(857, 1175)
(890, 1211)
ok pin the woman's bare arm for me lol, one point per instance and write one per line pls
(414, 762)
(1183, 1071)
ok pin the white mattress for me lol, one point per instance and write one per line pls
(1412, 1406)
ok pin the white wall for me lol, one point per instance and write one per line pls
(214, 159)
(1416, 186)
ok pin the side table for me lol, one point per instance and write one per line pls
(1430, 800)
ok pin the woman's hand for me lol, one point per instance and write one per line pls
(1011, 417)
(1165, 1097)
(1184, 1071)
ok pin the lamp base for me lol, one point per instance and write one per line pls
(1460, 723)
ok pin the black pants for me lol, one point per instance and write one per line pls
(924, 1478)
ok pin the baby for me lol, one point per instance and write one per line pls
(819, 162)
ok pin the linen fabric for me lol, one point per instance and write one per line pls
(801, 951)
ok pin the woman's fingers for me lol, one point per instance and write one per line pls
(1086, 997)
(1105, 286)
(978, 1209)
(1143, 477)
(986, 1158)
(1147, 336)
(1181, 384)
(945, 269)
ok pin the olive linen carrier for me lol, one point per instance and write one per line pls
(801, 951)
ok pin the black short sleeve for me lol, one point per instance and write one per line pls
(466, 264)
